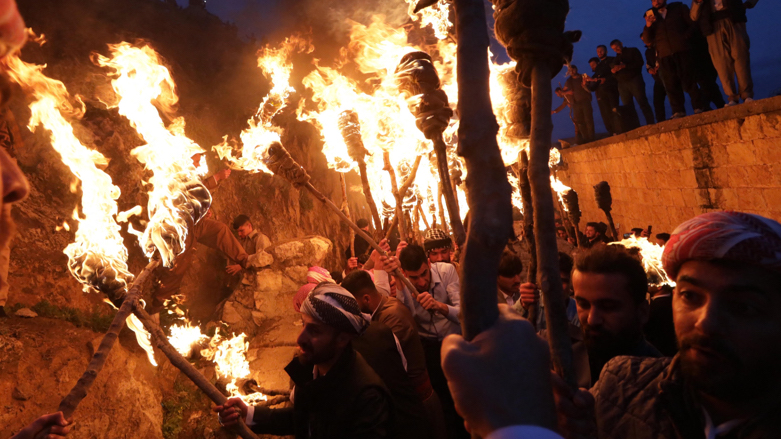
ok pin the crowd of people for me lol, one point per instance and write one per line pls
(686, 50)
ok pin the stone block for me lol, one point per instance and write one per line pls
(297, 274)
(751, 128)
(773, 198)
(768, 150)
(268, 369)
(771, 124)
(687, 156)
(718, 156)
(727, 199)
(268, 280)
(759, 176)
(751, 199)
(308, 251)
(741, 153)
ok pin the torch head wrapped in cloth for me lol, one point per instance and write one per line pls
(602, 194)
(280, 163)
(418, 80)
(533, 30)
(573, 205)
(350, 127)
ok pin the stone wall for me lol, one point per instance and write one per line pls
(661, 175)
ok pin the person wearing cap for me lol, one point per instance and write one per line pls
(724, 381)
(437, 244)
(336, 394)
(253, 242)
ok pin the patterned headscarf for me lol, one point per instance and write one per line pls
(336, 307)
(731, 236)
(436, 238)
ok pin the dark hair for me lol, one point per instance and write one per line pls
(638, 230)
(602, 46)
(616, 41)
(561, 228)
(602, 227)
(573, 66)
(663, 236)
(565, 263)
(358, 281)
(615, 259)
(593, 224)
(240, 221)
(510, 264)
(362, 222)
(594, 59)
(412, 257)
(558, 89)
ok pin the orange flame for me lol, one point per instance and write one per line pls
(178, 199)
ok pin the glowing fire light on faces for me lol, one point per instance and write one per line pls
(98, 257)
(178, 199)
(652, 259)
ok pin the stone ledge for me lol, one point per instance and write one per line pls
(742, 111)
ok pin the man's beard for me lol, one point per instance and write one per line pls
(325, 354)
(723, 375)
(603, 343)
(7, 229)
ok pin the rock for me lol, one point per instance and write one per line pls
(268, 281)
(297, 274)
(230, 314)
(307, 251)
(26, 313)
(261, 259)
(19, 395)
(258, 317)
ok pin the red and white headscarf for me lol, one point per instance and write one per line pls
(314, 276)
(731, 236)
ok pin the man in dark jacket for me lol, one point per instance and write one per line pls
(724, 382)
(393, 314)
(604, 84)
(627, 67)
(723, 22)
(652, 67)
(668, 27)
(337, 395)
(610, 287)
(580, 98)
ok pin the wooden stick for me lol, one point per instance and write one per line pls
(79, 391)
(423, 215)
(544, 226)
(392, 226)
(394, 187)
(328, 203)
(347, 213)
(441, 209)
(440, 149)
(367, 193)
(489, 193)
(528, 228)
(176, 359)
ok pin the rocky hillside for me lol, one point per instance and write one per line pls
(220, 87)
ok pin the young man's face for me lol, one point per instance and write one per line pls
(658, 3)
(319, 343)
(593, 65)
(617, 48)
(509, 285)
(728, 324)
(591, 232)
(610, 317)
(420, 278)
(439, 255)
(562, 234)
(601, 52)
(244, 230)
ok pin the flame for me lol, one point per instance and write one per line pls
(228, 354)
(560, 189)
(98, 257)
(178, 199)
(437, 17)
(652, 259)
(261, 133)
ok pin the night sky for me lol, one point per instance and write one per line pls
(600, 20)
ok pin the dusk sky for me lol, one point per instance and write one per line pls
(600, 20)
